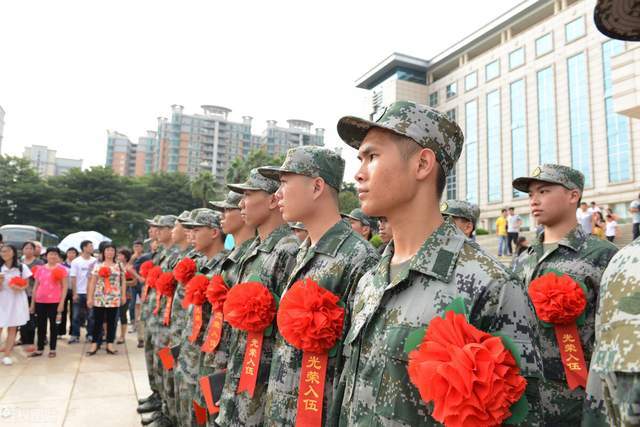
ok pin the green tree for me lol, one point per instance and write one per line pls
(20, 187)
(239, 168)
(204, 188)
(348, 198)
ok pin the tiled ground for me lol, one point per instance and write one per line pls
(74, 389)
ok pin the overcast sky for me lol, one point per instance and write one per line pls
(70, 70)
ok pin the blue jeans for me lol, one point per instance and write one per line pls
(131, 296)
(503, 247)
(81, 314)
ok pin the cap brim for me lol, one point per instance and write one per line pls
(221, 205)
(612, 18)
(522, 184)
(272, 172)
(241, 188)
(353, 130)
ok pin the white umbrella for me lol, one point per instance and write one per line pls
(74, 240)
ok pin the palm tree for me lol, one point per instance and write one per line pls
(204, 188)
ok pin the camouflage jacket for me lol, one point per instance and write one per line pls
(374, 382)
(179, 314)
(614, 378)
(158, 258)
(336, 262)
(268, 262)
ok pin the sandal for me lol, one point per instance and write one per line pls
(35, 354)
(51, 354)
(120, 341)
(111, 351)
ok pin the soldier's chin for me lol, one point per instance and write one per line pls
(370, 208)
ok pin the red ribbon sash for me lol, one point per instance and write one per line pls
(200, 414)
(251, 363)
(107, 285)
(196, 323)
(157, 309)
(572, 355)
(214, 333)
(205, 387)
(167, 312)
(166, 358)
(311, 389)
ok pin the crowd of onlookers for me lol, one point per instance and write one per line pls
(45, 296)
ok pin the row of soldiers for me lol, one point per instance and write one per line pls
(405, 157)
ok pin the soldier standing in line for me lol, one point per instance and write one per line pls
(613, 389)
(405, 157)
(555, 192)
(385, 232)
(299, 230)
(269, 261)
(333, 255)
(464, 214)
(209, 243)
(362, 223)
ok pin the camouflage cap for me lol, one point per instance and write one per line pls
(204, 218)
(231, 202)
(554, 174)
(190, 217)
(256, 182)
(153, 221)
(166, 221)
(462, 209)
(297, 226)
(184, 216)
(428, 127)
(310, 161)
(358, 215)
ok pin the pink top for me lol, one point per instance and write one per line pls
(49, 288)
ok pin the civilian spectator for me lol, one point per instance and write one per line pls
(585, 218)
(635, 216)
(501, 231)
(81, 269)
(70, 255)
(28, 330)
(514, 222)
(611, 228)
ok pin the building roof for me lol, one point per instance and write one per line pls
(387, 66)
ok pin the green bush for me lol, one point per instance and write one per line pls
(481, 232)
(376, 241)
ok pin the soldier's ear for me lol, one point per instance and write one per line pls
(273, 201)
(426, 165)
(318, 187)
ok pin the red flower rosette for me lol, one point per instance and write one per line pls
(559, 300)
(216, 295)
(250, 307)
(468, 374)
(105, 273)
(311, 320)
(150, 280)
(185, 270)
(165, 287)
(34, 270)
(145, 268)
(18, 283)
(128, 275)
(195, 294)
(58, 274)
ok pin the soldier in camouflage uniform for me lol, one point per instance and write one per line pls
(156, 332)
(299, 230)
(209, 242)
(613, 390)
(362, 223)
(163, 234)
(464, 214)
(385, 232)
(268, 260)
(405, 157)
(333, 255)
(554, 194)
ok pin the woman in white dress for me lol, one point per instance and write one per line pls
(13, 298)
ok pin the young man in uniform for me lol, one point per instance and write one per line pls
(362, 223)
(405, 157)
(334, 256)
(385, 232)
(554, 194)
(268, 260)
(464, 215)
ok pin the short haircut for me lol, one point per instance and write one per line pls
(126, 253)
(512, 208)
(25, 244)
(72, 249)
(138, 242)
(502, 210)
(85, 243)
(53, 249)
(582, 203)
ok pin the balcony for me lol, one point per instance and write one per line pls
(625, 75)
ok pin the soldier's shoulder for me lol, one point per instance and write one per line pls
(473, 257)
(356, 244)
(599, 249)
(288, 244)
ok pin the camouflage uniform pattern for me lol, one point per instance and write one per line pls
(614, 378)
(312, 162)
(337, 262)
(255, 182)
(269, 262)
(190, 357)
(428, 127)
(584, 258)
(375, 387)
(569, 178)
(231, 202)
(461, 209)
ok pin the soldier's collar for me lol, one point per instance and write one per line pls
(272, 239)
(212, 262)
(332, 240)
(573, 240)
(237, 252)
(439, 254)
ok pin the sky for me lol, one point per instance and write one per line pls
(71, 70)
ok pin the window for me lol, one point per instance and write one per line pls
(433, 99)
(451, 114)
(546, 116)
(518, 132)
(544, 44)
(452, 185)
(574, 30)
(494, 157)
(516, 58)
(618, 146)
(579, 115)
(492, 70)
(471, 147)
(471, 81)
(452, 90)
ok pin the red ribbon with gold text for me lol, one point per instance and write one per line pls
(195, 294)
(559, 301)
(250, 307)
(165, 286)
(216, 295)
(311, 319)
